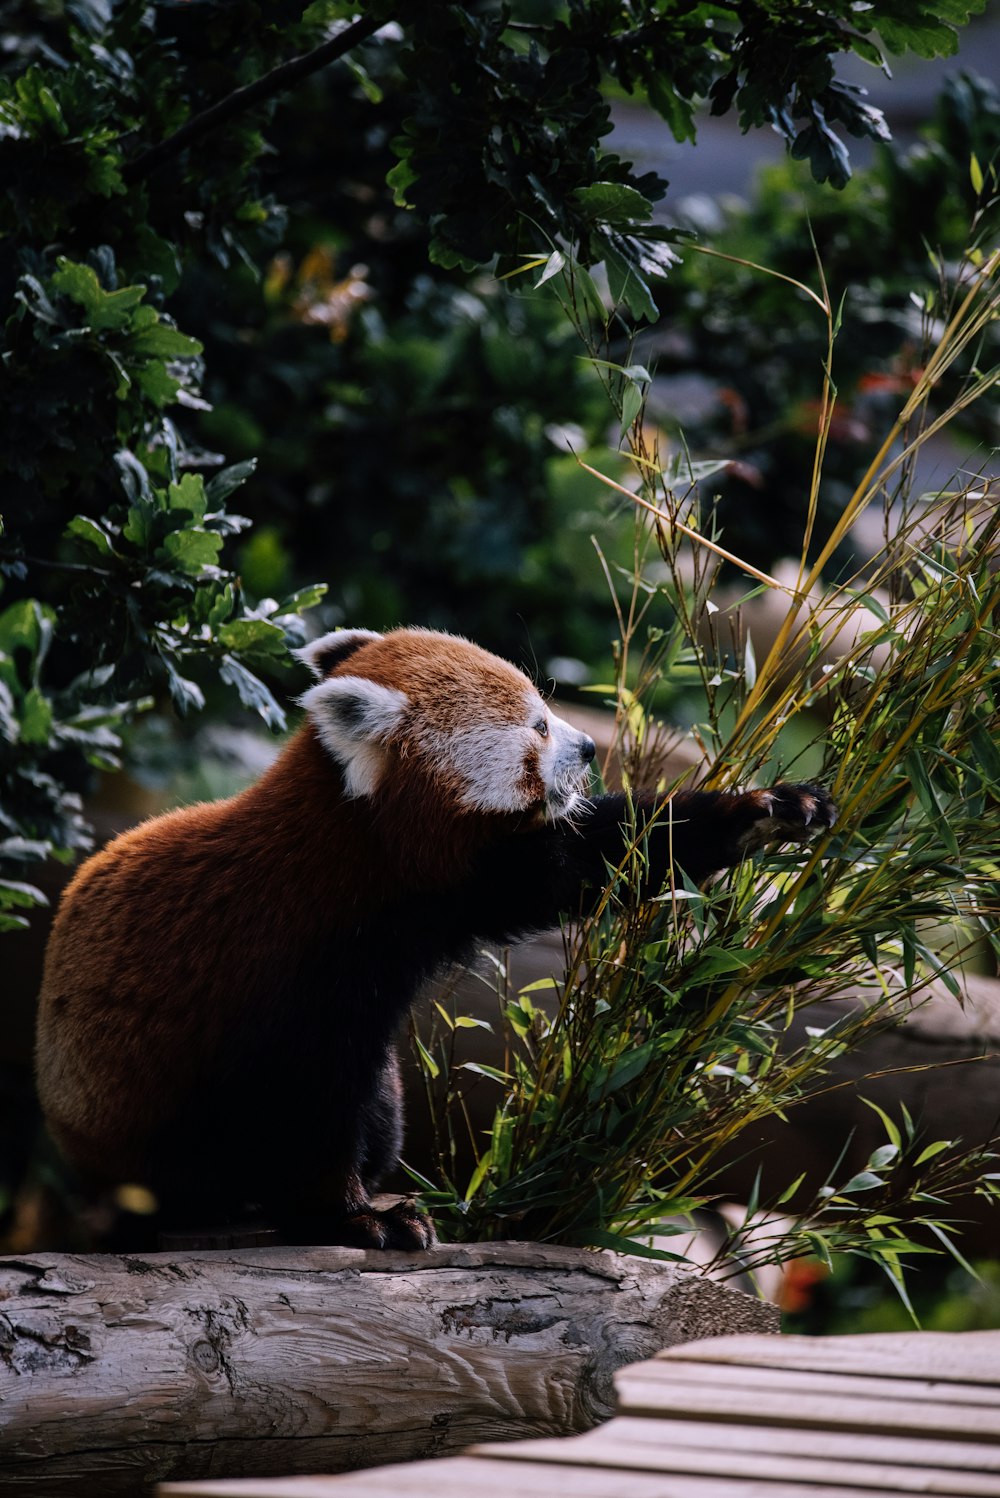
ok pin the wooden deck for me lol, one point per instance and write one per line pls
(736, 1417)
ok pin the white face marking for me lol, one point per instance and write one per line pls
(493, 760)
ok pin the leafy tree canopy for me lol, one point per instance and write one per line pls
(131, 137)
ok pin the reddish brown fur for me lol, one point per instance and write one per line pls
(291, 847)
(223, 984)
(442, 676)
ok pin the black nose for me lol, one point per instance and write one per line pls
(587, 749)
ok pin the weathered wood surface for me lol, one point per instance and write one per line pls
(118, 1371)
(481, 1477)
(776, 1454)
(944, 1357)
(739, 1417)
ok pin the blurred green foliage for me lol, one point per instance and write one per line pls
(851, 1299)
(412, 424)
(889, 245)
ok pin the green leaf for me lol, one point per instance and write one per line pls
(188, 494)
(252, 691)
(105, 310)
(157, 383)
(622, 1071)
(482, 1070)
(865, 1180)
(930, 801)
(164, 342)
(519, 1020)
(36, 718)
(678, 112)
(218, 489)
(932, 1150)
(90, 534)
(887, 1123)
(613, 203)
(552, 267)
(427, 1060)
(628, 287)
(305, 598)
(790, 1191)
(622, 1244)
(713, 960)
(398, 180)
(13, 892)
(186, 695)
(632, 403)
(256, 636)
(140, 525)
(479, 1175)
(190, 550)
(50, 108)
(26, 625)
(370, 88)
(926, 38)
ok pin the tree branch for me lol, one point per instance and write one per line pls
(53, 565)
(284, 76)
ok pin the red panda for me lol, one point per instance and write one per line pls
(223, 984)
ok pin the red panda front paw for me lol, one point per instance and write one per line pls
(398, 1226)
(787, 813)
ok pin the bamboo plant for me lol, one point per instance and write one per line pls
(669, 1035)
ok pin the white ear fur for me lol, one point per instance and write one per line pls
(319, 655)
(354, 717)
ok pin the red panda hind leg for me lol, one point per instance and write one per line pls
(400, 1226)
(359, 1223)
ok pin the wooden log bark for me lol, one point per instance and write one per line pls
(116, 1372)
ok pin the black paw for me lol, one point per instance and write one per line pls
(787, 814)
(398, 1226)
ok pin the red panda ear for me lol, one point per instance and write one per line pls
(354, 718)
(330, 650)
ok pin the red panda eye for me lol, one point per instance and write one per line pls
(542, 728)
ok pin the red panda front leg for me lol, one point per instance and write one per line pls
(528, 881)
(713, 830)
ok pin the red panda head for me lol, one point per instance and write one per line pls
(476, 724)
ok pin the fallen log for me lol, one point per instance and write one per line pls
(116, 1372)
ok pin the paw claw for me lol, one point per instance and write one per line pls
(790, 813)
(399, 1226)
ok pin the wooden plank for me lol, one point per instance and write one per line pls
(658, 1389)
(478, 1477)
(835, 1445)
(946, 1357)
(252, 1487)
(708, 1453)
(804, 1381)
